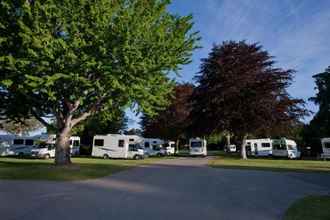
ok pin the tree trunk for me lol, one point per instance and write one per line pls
(228, 139)
(243, 149)
(62, 146)
(177, 146)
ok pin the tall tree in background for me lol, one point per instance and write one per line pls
(172, 123)
(70, 59)
(20, 127)
(240, 91)
(319, 126)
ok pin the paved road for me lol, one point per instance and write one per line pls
(171, 189)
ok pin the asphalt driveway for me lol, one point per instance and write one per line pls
(181, 189)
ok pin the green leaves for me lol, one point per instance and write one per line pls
(120, 52)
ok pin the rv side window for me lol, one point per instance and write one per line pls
(131, 139)
(121, 143)
(146, 144)
(172, 145)
(70, 142)
(28, 142)
(327, 145)
(255, 145)
(99, 142)
(18, 141)
(76, 143)
(265, 145)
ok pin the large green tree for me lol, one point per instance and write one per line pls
(241, 91)
(69, 59)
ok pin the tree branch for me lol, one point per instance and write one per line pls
(40, 119)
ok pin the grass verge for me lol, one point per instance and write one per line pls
(310, 207)
(234, 162)
(82, 168)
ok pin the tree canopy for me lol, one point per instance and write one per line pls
(319, 126)
(241, 91)
(20, 127)
(171, 123)
(70, 59)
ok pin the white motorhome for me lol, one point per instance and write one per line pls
(22, 146)
(44, 150)
(117, 146)
(169, 148)
(285, 148)
(153, 147)
(259, 147)
(325, 148)
(74, 143)
(230, 148)
(197, 147)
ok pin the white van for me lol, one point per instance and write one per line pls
(117, 146)
(74, 143)
(169, 148)
(197, 147)
(325, 148)
(22, 146)
(285, 148)
(259, 147)
(44, 150)
(153, 147)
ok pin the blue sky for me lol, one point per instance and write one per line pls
(296, 32)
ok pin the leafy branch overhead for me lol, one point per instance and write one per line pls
(72, 58)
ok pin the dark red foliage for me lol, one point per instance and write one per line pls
(173, 121)
(239, 90)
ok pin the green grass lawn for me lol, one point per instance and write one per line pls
(231, 161)
(82, 168)
(309, 208)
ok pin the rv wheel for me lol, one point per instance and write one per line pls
(47, 156)
(20, 154)
(105, 156)
(137, 157)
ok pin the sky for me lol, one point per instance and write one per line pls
(295, 32)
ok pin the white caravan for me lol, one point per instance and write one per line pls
(153, 147)
(169, 148)
(74, 143)
(22, 146)
(285, 148)
(230, 148)
(44, 150)
(117, 146)
(325, 148)
(197, 147)
(259, 147)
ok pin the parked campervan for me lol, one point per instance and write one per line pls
(197, 147)
(169, 148)
(285, 148)
(43, 150)
(325, 148)
(74, 143)
(22, 146)
(259, 147)
(117, 146)
(153, 147)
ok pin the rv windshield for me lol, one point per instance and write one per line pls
(196, 144)
(278, 146)
(291, 147)
(327, 145)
